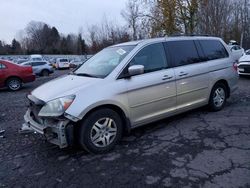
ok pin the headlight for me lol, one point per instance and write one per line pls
(56, 107)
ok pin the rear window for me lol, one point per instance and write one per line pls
(63, 60)
(213, 49)
(36, 59)
(182, 52)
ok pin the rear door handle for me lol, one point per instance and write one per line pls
(166, 77)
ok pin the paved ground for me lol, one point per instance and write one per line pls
(195, 149)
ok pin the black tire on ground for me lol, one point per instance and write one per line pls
(89, 131)
(14, 84)
(218, 97)
(45, 73)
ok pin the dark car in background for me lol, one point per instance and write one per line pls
(13, 75)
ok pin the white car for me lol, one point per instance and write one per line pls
(244, 64)
(237, 51)
(62, 63)
(36, 57)
(75, 63)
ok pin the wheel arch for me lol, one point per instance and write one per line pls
(45, 69)
(125, 120)
(223, 81)
(10, 77)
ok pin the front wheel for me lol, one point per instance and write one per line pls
(100, 131)
(218, 97)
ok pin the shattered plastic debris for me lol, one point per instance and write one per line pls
(2, 133)
(25, 129)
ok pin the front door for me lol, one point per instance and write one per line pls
(153, 94)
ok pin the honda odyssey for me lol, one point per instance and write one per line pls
(132, 84)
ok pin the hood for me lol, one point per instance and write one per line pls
(245, 58)
(63, 86)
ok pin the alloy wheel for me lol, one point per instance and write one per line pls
(103, 132)
(219, 97)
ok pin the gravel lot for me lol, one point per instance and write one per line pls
(195, 149)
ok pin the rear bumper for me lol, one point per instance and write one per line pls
(29, 78)
(63, 65)
(59, 132)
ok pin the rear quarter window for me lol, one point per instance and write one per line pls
(213, 49)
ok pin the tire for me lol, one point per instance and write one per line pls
(218, 97)
(45, 73)
(14, 84)
(100, 131)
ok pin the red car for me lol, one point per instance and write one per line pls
(13, 75)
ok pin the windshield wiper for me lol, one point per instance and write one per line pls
(85, 74)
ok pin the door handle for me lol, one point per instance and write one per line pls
(183, 74)
(166, 77)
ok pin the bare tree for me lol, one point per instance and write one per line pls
(131, 14)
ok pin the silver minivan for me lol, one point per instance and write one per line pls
(132, 84)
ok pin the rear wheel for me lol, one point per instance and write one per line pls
(100, 131)
(218, 97)
(45, 73)
(14, 84)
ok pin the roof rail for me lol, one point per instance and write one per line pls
(188, 35)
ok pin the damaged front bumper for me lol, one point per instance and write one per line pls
(59, 132)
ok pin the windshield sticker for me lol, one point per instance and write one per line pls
(121, 51)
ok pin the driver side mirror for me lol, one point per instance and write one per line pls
(135, 70)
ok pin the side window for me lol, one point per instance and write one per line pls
(2, 66)
(182, 52)
(35, 64)
(213, 49)
(152, 57)
(41, 63)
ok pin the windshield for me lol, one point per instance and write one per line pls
(104, 62)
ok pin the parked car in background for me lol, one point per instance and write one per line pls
(36, 57)
(244, 64)
(233, 42)
(62, 63)
(41, 68)
(52, 61)
(20, 61)
(237, 51)
(13, 75)
(75, 63)
(132, 84)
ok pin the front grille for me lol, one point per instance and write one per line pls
(245, 67)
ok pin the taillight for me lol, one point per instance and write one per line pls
(235, 66)
(31, 70)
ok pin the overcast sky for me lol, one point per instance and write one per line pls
(66, 15)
